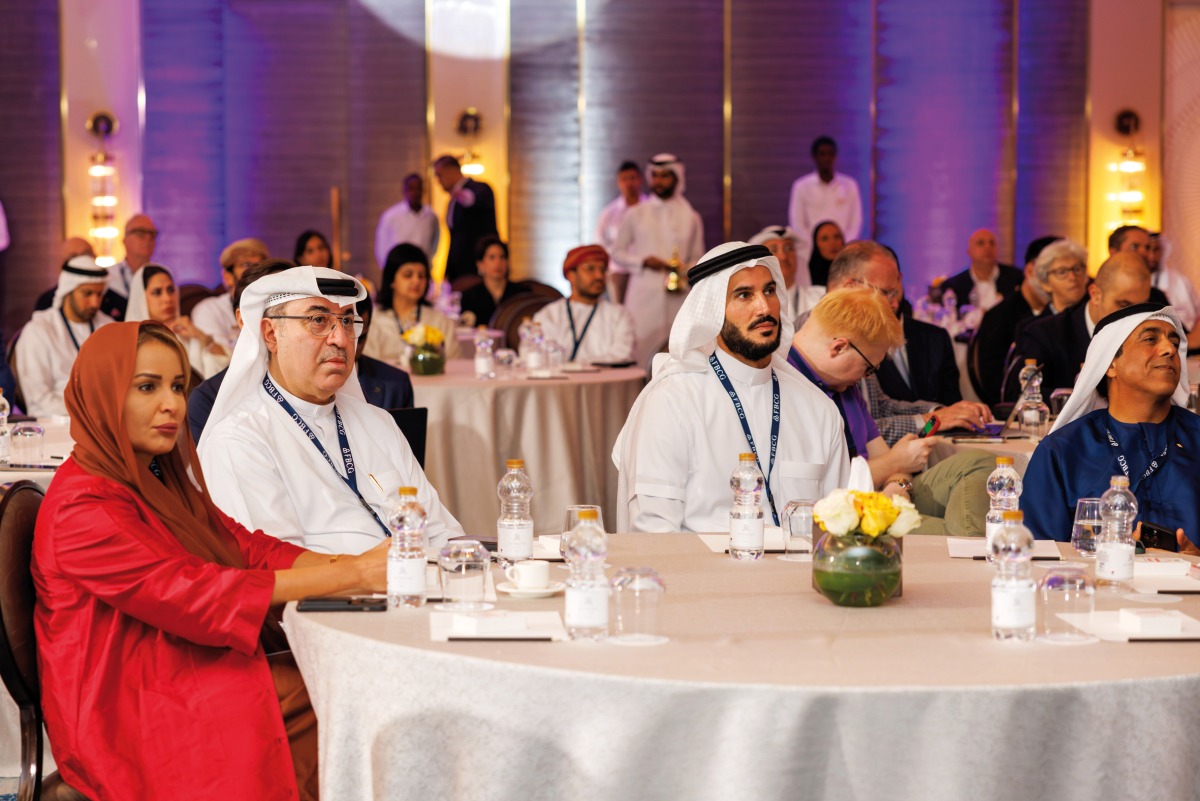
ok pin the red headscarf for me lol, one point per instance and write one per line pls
(95, 399)
(577, 256)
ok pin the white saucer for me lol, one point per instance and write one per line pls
(508, 588)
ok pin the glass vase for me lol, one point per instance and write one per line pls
(427, 361)
(856, 570)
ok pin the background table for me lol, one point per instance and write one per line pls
(563, 428)
(766, 691)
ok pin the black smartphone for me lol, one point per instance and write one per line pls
(343, 604)
(1155, 536)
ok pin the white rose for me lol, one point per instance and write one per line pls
(908, 519)
(836, 512)
(417, 337)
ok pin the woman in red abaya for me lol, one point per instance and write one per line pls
(154, 618)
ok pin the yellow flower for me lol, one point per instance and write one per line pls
(878, 512)
(434, 336)
(424, 336)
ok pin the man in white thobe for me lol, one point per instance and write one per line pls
(684, 435)
(291, 446)
(216, 316)
(655, 233)
(586, 325)
(50, 341)
(824, 195)
(784, 243)
(411, 220)
(629, 188)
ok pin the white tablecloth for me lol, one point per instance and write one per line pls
(563, 428)
(766, 691)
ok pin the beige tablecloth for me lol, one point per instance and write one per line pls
(563, 428)
(765, 691)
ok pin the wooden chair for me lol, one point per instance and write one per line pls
(540, 289)
(413, 424)
(18, 644)
(191, 294)
(18, 398)
(510, 313)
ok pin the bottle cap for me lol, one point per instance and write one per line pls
(1004, 460)
(406, 491)
(481, 328)
(1017, 515)
(1119, 481)
(746, 457)
(588, 514)
(514, 464)
(1030, 361)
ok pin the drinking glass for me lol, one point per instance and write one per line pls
(556, 357)
(506, 362)
(637, 595)
(1066, 589)
(25, 440)
(570, 520)
(796, 524)
(464, 566)
(1194, 398)
(1087, 527)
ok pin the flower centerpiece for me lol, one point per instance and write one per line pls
(857, 562)
(428, 350)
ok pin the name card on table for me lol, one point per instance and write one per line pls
(976, 548)
(497, 626)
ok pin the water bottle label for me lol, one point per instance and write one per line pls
(587, 607)
(535, 360)
(746, 534)
(483, 365)
(1114, 561)
(406, 576)
(990, 530)
(4, 443)
(1031, 417)
(1013, 607)
(515, 542)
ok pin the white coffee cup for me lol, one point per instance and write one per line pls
(529, 574)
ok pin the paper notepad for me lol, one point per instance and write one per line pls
(976, 548)
(719, 543)
(497, 625)
(1108, 626)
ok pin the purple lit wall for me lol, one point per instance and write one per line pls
(944, 131)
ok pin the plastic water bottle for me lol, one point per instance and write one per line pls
(514, 527)
(5, 442)
(1014, 592)
(531, 347)
(1032, 414)
(1004, 489)
(406, 554)
(586, 613)
(485, 356)
(746, 515)
(1114, 546)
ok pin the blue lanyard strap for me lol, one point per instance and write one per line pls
(1154, 465)
(578, 340)
(70, 333)
(351, 478)
(737, 405)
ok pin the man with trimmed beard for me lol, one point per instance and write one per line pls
(590, 328)
(291, 444)
(713, 397)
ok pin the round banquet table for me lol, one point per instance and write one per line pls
(564, 428)
(765, 691)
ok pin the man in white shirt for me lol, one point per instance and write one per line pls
(291, 446)
(659, 235)
(1174, 284)
(141, 237)
(712, 398)
(587, 325)
(824, 195)
(411, 220)
(216, 316)
(50, 341)
(629, 188)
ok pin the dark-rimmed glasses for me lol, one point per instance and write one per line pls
(871, 368)
(319, 325)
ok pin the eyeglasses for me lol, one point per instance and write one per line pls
(319, 325)
(871, 368)
(890, 294)
(1064, 272)
(150, 232)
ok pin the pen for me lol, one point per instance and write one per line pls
(499, 639)
(1036, 558)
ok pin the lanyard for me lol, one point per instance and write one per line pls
(1154, 465)
(578, 340)
(70, 333)
(351, 478)
(737, 404)
(851, 448)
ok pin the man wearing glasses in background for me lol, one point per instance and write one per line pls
(291, 446)
(141, 237)
(844, 340)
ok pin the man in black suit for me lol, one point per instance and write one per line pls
(470, 216)
(1059, 343)
(990, 280)
(923, 368)
(998, 329)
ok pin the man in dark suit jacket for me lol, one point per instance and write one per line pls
(995, 280)
(470, 216)
(928, 357)
(1059, 343)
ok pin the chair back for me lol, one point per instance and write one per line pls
(191, 294)
(413, 424)
(18, 398)
(540, 289)
(973, 365)
(511, 312)
(18, 646)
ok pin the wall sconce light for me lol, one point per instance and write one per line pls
(1130, 170)
(470, 123)
(102, 177)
